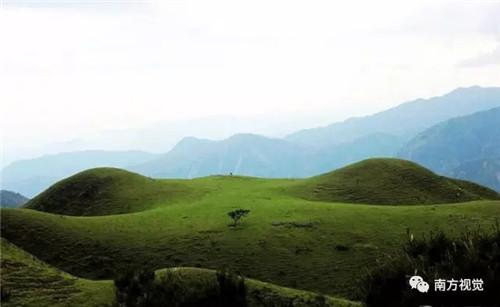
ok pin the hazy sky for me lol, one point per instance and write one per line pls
(68, 68)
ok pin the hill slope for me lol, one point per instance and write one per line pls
(288, 241)
(104, 191)
(405, 120)
(31, 282)
(390, 182)
(446, 146)
(30, 177)
(9, 199)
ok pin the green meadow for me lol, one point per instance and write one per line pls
(321, 234)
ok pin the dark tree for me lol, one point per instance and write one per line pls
(237, 214)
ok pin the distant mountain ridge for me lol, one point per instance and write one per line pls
(466, 147)
(247, 154)
(404, 120)
(259, 156)
(314, 151)
(9, 199)
(485, 172)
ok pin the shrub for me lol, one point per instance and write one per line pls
(474, 254)
(232, 290)
(135, 289)
(4, 294)
(237, 214)
(141, 289)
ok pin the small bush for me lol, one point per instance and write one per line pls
(237, 214)
(135, 289)
(141, 289)
(474, 254)
(4, 294)
(232, 290)
(341, 248)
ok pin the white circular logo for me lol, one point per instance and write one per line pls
(423, 287)
(414, 280)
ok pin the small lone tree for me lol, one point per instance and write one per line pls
(237, 214)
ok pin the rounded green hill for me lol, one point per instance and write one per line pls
(389, 182)
(105, 191)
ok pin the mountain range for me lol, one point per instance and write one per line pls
(405, 120)
(310, 152)
(9, 199)
(401, 131)
(466, 147)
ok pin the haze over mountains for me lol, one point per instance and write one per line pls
(465, 147)
(248, 154)
(162, 136)
(314, 151)
(405, 120)
(308, 152)
(9, 199)
(255, 155)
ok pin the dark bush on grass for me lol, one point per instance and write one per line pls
(237, 214)
(232, 290)
(5, 294)
(140, 289)
(474, 254)
(135, 289)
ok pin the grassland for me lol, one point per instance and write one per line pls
(288, 239)
(27, 281)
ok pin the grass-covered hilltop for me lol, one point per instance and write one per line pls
(321, 234)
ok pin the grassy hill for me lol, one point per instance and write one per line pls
(291, 241)
(105, 191)
(315, 246)
(32, 176)
(27, 281)
(389, 182)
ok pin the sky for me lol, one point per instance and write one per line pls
(74, 68)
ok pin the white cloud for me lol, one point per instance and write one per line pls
(69, 71)
(484, 59)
